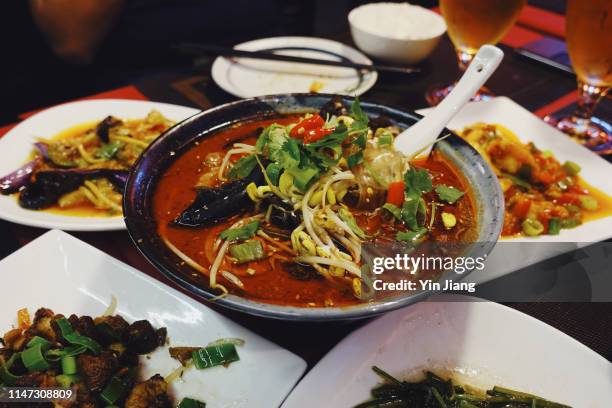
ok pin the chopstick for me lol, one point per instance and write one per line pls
(203, 49)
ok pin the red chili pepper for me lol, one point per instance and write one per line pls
(395, 193)
(544, 177)
(521, 208)
(301, 129)
(569, 198)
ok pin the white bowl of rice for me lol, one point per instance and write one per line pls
(396, 32)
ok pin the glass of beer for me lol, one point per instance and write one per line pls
(472, 24)
(589, 43)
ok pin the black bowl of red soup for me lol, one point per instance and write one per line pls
(298, 207)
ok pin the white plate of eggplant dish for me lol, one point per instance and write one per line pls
(66, 167)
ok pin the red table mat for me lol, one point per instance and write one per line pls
(533, 23)
(543, 21)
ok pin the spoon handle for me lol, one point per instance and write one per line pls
(425, 131)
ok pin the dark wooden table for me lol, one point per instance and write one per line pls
(533, 86)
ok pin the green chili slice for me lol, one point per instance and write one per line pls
(45, 344)
(69, 365)
(66, 380)
(76, 339)
(213, 356)
(33, 359)
(554, 226)
(191, 403)
(114, 390)
(6, 377)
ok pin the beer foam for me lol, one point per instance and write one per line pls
(401, 21)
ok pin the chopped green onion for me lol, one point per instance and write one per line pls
(45, 344)
(242, 233)
(67, 380)
(114, 390)
(251, 250)
(554, 226)
(302, 177)
(69, 365)
(571, 168)
(76, 339)
(213, 356)
(385, 138)
(33, 359)
(191, 403)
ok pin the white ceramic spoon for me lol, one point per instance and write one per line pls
(423, 134)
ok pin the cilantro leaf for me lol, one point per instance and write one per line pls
(448, 193)
(409, 212)
(333, 139)
(273, 138)
(242, 233)
(243, 167)
(418, 180)
(361, 140)
(273, 171)
(385, 138)
(361, 119)
(355, 159)
(288, 155)
(411, 236)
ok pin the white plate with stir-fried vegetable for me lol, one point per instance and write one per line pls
(561, 203)
(74, 278)
(555, 189)
(479, 345)
(65, 167)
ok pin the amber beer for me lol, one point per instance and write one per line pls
(473, 23)
(589, 40)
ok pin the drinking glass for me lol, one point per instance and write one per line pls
(472, 24)
(589, 43)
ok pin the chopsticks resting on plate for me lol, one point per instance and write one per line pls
(203, 49)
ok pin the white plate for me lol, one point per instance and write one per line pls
(246, 78)
(482, 343)
(68, 276)
(529, 128)
(16, 146)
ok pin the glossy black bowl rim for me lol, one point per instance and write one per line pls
(134, 221)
